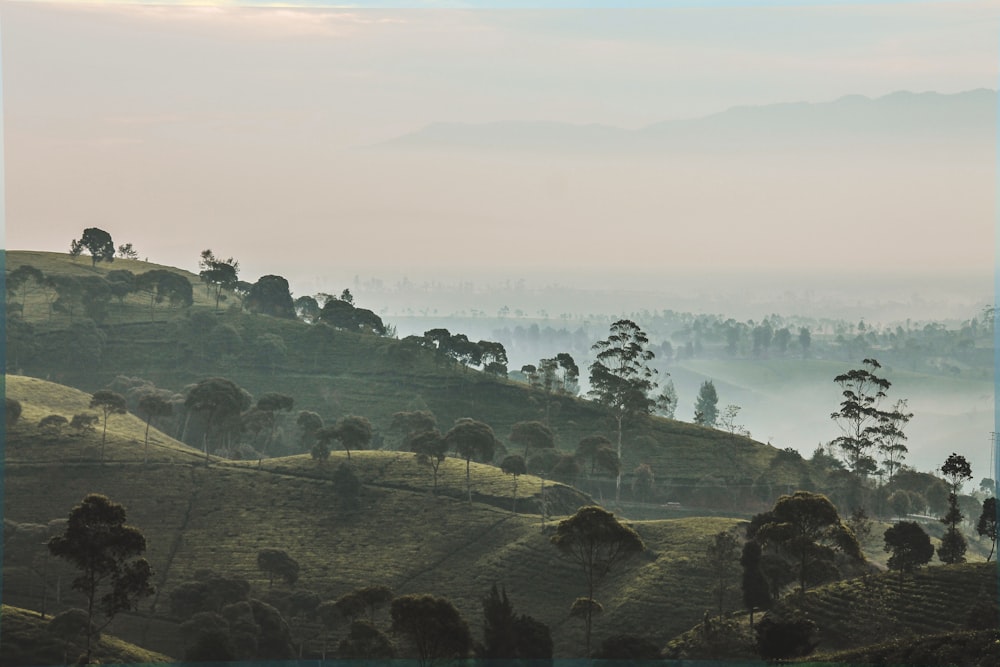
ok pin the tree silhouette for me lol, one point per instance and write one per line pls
(706, 405)
(433, 625)
(270, 296)
(987, 524)
(956, 470)
(218, 397)
(107, 553)
(277, 563)
(98, 243)
(910, 547)
(430, 448)
(596, 541)
(153, 404)
(532, 434)
(859, 417)
(471, 439)
(514, 465)
(110, 403)
(621, 378)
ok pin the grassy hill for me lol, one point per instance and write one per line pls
(856, 618)
(27, 641)
(335, 373)
(218, 517)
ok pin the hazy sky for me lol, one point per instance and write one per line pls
(243, 130)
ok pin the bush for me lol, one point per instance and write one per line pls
(780, 637)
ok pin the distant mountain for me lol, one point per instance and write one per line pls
(906, 117)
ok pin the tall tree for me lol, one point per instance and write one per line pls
(471, 439)
(514, 466)
(507, 636)
(433, 626)
(153, 404)
(706, 405)
(108, 555)
(109, 403)
(987, 524)
(430, 448)
(621, 378)
(722, 557)
(162, 285)
(860, 419)
(756, 591)
(596, 541)
(98, 243)
(222, 274)
(589, 446)
(956, 470)
(892, 437)
(533, 435)
(353, 432)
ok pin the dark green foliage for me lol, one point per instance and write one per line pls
(307, 309)
(507, 636)
(153, 404)
(364, 602)
(121, 282)
(987, 524)
(108, 555)
(21, 342)
(222, 274)
(71, 626)
(270, 350)
(411, 423)
(953, 545)
(532, 435)
(588, 447)
(354, 432)
(432, 625)
(84, 422)
(706, 406)
(98, 243)
(210, 592)
(430, 448)
(628, 647)
(808, 528)
(957, 470)
(722, 558)
(223, 340)
(309, 423)
(220, 399)
(859, 417)
(780, 637)
(80, 347)
(342, 315)
(53, 423)
(471, 439)
(593, 539)
(277, 563)
(364, 641)
(514, 465)
(910, 547)
(162, 285)
(756, 591)
(621, 379)
(12, 411)
(270, 296)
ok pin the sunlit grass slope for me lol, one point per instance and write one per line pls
(27, 641)
(398, 534)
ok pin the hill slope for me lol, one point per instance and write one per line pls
(218, 517)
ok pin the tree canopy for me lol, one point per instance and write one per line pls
(98, 243)
(471, 439)
(433, 625)
(270, 296)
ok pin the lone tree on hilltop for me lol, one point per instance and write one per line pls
(621, 378)
(806, 526)
(987, 525)
(277, 563)
(110, 403)
(471, 439)
(596, 541)
(910, 547)
(98, 243)
(107, 553)
(433, 625)
(353, 432)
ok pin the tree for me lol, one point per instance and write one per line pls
(309, 423)
(621, 378)
(956, 470)
(153, 404)
(98, 243)
(642, 482)
(411, 423)
(108, 554)
(110, 403)
(666, 402)
(471, 439)
(277, 563)
(514, 465)
(722, 556)
(506, 636)
(786, 635)
(365, 642)
(163, 285)
(222, 274)
(910, 547)
(342, 315)
(890, 444)
(433, 625)
(270, 296)
(807, 527)
(588, 447)
(220, 398)
(596, 541)
(306, 308)
(127, 251)
(270, 350)
(364, 602)
(859, 417)
(430, 448)
(353, 432)
(756, 591)
(727, 420)
(532, 434)
(987, 525)
(706, 406)
(84, 422)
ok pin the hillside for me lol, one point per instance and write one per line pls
(218, 517)
(335, 373)
(28, 641)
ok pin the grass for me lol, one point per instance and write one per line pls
(26, 641)
(220, 516)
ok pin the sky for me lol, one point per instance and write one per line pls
(248, 131)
